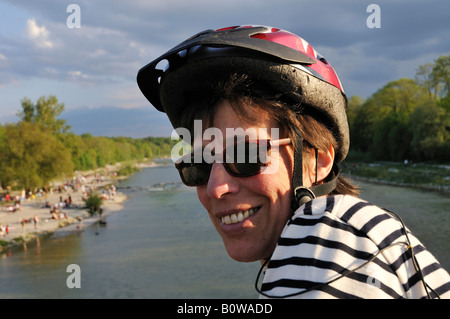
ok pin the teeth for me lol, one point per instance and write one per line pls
(238, 217)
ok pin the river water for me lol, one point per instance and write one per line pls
(162, 245)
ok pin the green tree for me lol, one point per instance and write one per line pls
(435, 77)
(32, 157)
(400, 96)
(391, 139)
(41, 147)
(357, 123)
(380, 125)
(424, 78)
(445, 103)
(441, 74)
(45, 114)
(430, 128)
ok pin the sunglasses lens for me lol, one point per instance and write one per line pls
(194, 174)
(244, 169)
(241, 160)
(245, 159)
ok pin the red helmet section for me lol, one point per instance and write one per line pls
(283, 37)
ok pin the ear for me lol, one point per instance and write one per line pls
(325, 162)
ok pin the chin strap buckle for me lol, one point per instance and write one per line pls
(303, 195)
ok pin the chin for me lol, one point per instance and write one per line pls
(243, 259)
(238, 253)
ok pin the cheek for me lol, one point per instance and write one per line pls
(276, 188)
(273, 187)
(281, 173)
(202, 196)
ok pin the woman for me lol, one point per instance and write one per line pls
(265, 164)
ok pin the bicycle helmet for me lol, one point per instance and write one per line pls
(279, 58)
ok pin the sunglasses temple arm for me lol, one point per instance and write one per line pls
(283, 141)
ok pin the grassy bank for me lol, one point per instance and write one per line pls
(419, 175)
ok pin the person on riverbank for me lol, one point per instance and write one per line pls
(266, 117)
(36, 221)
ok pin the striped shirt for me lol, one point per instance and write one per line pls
(326, 251)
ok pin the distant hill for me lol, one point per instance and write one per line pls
(114, 121)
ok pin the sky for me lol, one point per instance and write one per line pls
(92, 69)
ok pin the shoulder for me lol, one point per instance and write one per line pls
(334, 235)
(316, 247)
(340, 213)
(356, 215)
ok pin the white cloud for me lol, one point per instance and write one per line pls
(78, 74)
(128, 96)
(39, 35)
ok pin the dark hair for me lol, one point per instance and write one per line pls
(248, 98)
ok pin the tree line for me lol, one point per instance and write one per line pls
(41, 147)
(405, 119)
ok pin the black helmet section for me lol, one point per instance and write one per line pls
(149, 77)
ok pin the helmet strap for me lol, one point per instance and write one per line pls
(303, 194)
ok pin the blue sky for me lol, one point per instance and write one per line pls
(92, 70)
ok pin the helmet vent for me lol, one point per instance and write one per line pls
(162, 65)
(322, 59)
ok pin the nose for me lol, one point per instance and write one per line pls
(220, 182)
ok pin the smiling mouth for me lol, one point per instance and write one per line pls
(238, 217)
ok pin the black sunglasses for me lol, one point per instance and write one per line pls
(240, 160)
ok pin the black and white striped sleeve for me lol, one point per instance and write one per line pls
(342, 247)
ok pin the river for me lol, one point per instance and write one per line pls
(162, 245)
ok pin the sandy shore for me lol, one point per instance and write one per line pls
(68, 217)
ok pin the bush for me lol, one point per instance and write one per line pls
(93, 202)
(127, 170)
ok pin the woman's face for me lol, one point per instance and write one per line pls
(249, 213)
